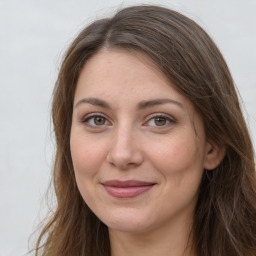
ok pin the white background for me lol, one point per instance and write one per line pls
(33, 36)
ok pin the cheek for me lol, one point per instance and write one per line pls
(177, 155)
(87, 155)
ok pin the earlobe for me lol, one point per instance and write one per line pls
(214, 155)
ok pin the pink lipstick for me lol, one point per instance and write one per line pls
(127, 189)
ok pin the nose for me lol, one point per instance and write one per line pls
(125, 150)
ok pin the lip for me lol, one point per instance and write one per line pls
(128, 188)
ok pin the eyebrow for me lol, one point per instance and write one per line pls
(93, 101)
(154, 102)
(141, 105)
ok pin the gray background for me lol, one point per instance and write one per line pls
(33, 37)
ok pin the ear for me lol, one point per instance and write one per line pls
(214, 155)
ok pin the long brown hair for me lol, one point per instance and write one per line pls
(225, 214)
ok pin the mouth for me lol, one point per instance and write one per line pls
(127, 189)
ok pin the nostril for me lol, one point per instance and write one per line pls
(125, 159)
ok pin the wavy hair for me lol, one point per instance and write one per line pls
(225, 214)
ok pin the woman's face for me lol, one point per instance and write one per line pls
(138, 146)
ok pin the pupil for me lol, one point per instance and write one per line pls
(159, 121)
(99, 120)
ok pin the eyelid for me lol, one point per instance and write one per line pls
(166, 116)
(87, 117)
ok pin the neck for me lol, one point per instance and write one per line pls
(164, 241)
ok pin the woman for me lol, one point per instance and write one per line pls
(153, 153)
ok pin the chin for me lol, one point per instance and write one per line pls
(127, 222)
(128, 227)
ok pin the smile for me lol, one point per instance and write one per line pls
(127, 189)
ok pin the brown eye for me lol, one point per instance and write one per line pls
(99, 120)
(95, 121)
(160, 121)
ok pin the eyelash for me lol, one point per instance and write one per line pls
(89, 117)
(167, 118)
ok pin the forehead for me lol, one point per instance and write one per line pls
(118, 72)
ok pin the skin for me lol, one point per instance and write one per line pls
(128, 142)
